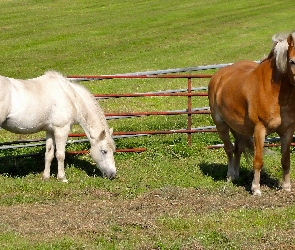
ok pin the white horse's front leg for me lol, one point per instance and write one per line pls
(49, 154)
(61, 135)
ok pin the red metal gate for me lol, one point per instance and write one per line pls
(189, 94)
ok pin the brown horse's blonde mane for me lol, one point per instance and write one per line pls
(275, 40)
(280, 49)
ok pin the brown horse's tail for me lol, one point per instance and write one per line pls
(249, 149)
(244, 144)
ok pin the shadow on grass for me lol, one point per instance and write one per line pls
(84, 165)
(218, 172)
(23, 165)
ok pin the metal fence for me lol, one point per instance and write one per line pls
(188, 93)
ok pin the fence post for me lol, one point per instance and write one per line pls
(189, 110)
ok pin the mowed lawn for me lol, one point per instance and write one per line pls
(170, 196)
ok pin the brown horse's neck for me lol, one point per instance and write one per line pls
(282, 82)
(278, 82)
(276, 77)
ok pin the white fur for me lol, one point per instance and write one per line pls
(53, 103)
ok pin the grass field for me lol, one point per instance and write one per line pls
(171, 196)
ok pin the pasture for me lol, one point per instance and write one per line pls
(171, 196)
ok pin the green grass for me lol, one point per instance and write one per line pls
(117, 37)
(171, 196)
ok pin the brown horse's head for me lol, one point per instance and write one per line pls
(291, 59)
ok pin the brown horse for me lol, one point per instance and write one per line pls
(252, 99)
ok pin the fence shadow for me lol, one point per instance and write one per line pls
(218, 173)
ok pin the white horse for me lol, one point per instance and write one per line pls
(53, 104)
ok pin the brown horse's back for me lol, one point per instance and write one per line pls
(228, 93)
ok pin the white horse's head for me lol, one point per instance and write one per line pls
(102, 152)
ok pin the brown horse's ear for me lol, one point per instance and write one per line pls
(102, 135)
(290, 40)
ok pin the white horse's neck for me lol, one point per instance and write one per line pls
(89, 115)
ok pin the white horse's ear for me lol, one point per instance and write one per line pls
(102, 135)
(111, 131)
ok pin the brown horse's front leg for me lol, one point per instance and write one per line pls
(259, 137)
(285, 148)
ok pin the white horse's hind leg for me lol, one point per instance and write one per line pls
(49, 154)
(61, 135)
(5, 98)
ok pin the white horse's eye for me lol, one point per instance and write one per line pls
(104, 152)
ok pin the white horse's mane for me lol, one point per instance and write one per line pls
(280, 50)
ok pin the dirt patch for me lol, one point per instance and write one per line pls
(106, 209)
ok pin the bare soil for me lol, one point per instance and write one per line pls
(102, 210)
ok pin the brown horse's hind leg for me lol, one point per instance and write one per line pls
(285, 148)
(238, 150)
(259, 137)
(241, 143)
(223, 132)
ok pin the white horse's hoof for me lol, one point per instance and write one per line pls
(45, 178)
(63, 179)
(257, 192)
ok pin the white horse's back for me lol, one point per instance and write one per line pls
(38, 104)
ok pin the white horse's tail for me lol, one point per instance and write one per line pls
(5, 97)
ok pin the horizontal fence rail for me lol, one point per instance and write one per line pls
(102, 77)
(147, 74)
(110, 116)
(268, 142)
